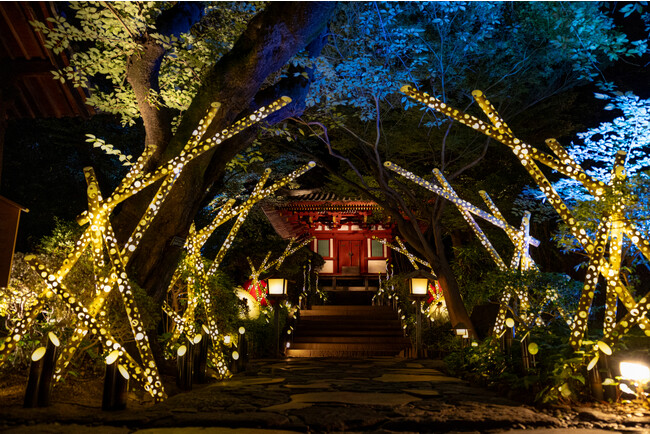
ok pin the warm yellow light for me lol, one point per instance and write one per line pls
(419, 285)
(112, 357)
(181, 350)
(636, 372)
(277, 286)
(242, 330)
(54, 339)
(123, 372)
(510, 322)
(38, 354)
(604, 348)
(462, 330)
(235, 355)
(226, 339)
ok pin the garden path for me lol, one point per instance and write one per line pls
(379, 394)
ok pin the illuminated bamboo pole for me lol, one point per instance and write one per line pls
(470, 220)
(441, 192)
(177, 163)
(404, 252)
(22, 326)
(152, 210)
(34, 378)
(526, 154)
(624, 295)
(616, 243)
(97, 327)
(579, 324)
(116, 383)
(96, 233)
(288, 251)
(135, 320)
(203, 234)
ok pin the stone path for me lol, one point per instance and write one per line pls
(381, 394)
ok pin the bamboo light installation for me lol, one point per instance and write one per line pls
(265, 266)
(519, 237)
(603, 248)
(433, 308)
(99, 236)
(199, 276)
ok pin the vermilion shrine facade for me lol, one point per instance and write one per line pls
(345, 233)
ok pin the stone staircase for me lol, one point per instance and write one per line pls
(348, 332)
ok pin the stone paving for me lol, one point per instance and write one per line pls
(381, 394)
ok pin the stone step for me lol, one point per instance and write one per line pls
(396, 339)
(347, 314)
(370, 334)
(340, 354)
(349, 324)
(335, 346)
(356, 308)
(348, 331)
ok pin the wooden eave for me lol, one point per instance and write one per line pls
(28, 89)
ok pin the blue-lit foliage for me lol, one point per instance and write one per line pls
(452, 47)
(629, 132)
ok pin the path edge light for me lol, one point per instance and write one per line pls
(277, 286)
(418, 291)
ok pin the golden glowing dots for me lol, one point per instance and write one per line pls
(401, 248)
(99, 329)
(100, 240)
(470, 220)
(199, 275)
(604, 250)
(266, 266)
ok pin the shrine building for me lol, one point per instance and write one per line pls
(343, 229)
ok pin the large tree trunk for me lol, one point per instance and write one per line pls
(269, 41)
(399, 205)
(440, 265)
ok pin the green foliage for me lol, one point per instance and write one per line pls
(559, 374)
(26, 287)
(595, 152)
(113, 32)
(109, 149)
(55, 315)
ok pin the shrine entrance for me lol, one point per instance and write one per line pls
(349, 257)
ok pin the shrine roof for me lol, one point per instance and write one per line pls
(318, 202)
(299, 202)
(26, 65)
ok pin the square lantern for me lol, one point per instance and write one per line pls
(461, 330)
(419, 287)
(277, 287)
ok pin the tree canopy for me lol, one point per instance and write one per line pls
(342, 64)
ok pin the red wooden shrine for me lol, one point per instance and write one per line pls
(343, 230)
